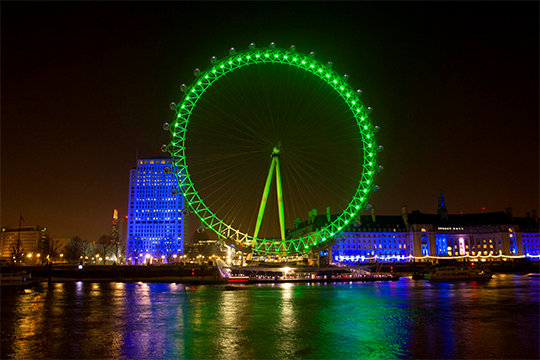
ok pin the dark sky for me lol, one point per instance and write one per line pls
(455, 88)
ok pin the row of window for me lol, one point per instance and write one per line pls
(375, 240)
(337, 247)
(155, 161)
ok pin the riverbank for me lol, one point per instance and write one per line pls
(191, 275)
(205, 274)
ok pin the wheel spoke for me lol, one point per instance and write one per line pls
(229, 120)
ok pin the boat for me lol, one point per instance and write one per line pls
(418, 276)
(17, 279)
(458, 273)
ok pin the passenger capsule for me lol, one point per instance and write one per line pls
(166, 126)
(369, 110)
(272, 45)
(330, 64)
(345, 77)
(185, 211)
(357, 224)
(196, 72)
(380, 148)
(376, 188)
(381, 168)
(164, 148)
(213, 60)
(312, 54)
(200, 229)
(174, 191)
(358, 92)
(376, 129)
(167, 170)
(232, 51)
(252, 46)
(172, 106)
(292, 48)
(183, 88)
(368, 207)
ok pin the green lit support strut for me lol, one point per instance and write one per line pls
(274, 164)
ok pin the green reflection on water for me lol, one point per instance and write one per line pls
(292, 322)
(387, 320)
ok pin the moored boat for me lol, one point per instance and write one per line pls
(17, 279)
(458, 273)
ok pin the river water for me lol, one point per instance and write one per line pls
(495, 319)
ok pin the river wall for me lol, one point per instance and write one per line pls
(193, 273)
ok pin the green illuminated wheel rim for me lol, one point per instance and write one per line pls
(308, 65)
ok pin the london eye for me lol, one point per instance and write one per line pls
(266, 136)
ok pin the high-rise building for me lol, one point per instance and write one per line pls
(156, 224)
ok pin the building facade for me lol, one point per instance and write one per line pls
(30, 238)
(427, 237)
(156, 225)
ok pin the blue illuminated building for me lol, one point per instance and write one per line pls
(417, 236)
(156, 225)
(381, 237)
(530, 235)
(370, 238)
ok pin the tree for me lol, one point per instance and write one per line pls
(106, 242)
(135, 251)
(169, 249)
(73, 249)
(15, 250)
(50, 247)
(85, 249)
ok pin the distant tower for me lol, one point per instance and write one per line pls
(441, 210)
(114, 233)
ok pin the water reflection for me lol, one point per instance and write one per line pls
(404, 319)
(286, 343)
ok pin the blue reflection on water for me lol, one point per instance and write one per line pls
(382, 320)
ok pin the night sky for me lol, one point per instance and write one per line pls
(87, 86)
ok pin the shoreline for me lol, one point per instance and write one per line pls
(210, 280)
(201, 274)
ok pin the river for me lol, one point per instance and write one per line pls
(494, 319)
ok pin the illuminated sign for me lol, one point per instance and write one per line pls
(461, 246)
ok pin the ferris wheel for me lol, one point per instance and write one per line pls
(265, 136)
